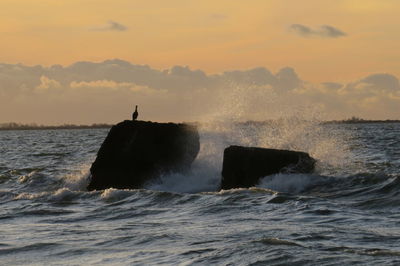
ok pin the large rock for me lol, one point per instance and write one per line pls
(135, 152)
(244, 166)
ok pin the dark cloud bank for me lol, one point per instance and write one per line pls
(176, 78)
(106, 91)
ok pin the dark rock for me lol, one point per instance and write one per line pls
(136, 151)
(244, 166)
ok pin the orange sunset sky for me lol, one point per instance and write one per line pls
(177, 58)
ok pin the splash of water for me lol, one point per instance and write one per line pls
(78, 179)
(283, 124)
(292, 183)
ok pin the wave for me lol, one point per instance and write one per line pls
(362, 190)
(271, 241)
(364, 251)
(339, 172)
(293, 183)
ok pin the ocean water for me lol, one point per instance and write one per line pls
(346, 212)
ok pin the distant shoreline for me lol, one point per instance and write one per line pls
(16, 126)
(361, 121)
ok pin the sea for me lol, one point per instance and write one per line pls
(347, 212)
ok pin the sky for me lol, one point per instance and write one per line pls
(90, 61)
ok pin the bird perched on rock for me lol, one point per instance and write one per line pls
(135, 114)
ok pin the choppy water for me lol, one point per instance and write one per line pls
(347, 212)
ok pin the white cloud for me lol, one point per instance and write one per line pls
(110, 84)
(47, 85)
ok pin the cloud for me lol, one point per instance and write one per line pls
(372, 85)
(87, 92)
(332, 85)
(323, 31)
(376, 96)
(331, 32)
(288, 79)
(101, 84)
(47, 84)
(110, 85)
(383, 82)
(111, 26)
(218, 16)
(301, 30)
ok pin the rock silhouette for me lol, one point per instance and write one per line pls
(135, 152)
(244, 166)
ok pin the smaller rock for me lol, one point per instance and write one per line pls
(244, 166)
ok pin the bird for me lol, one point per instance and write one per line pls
(135, 114)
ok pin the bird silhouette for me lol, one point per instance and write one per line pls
(135, 114)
